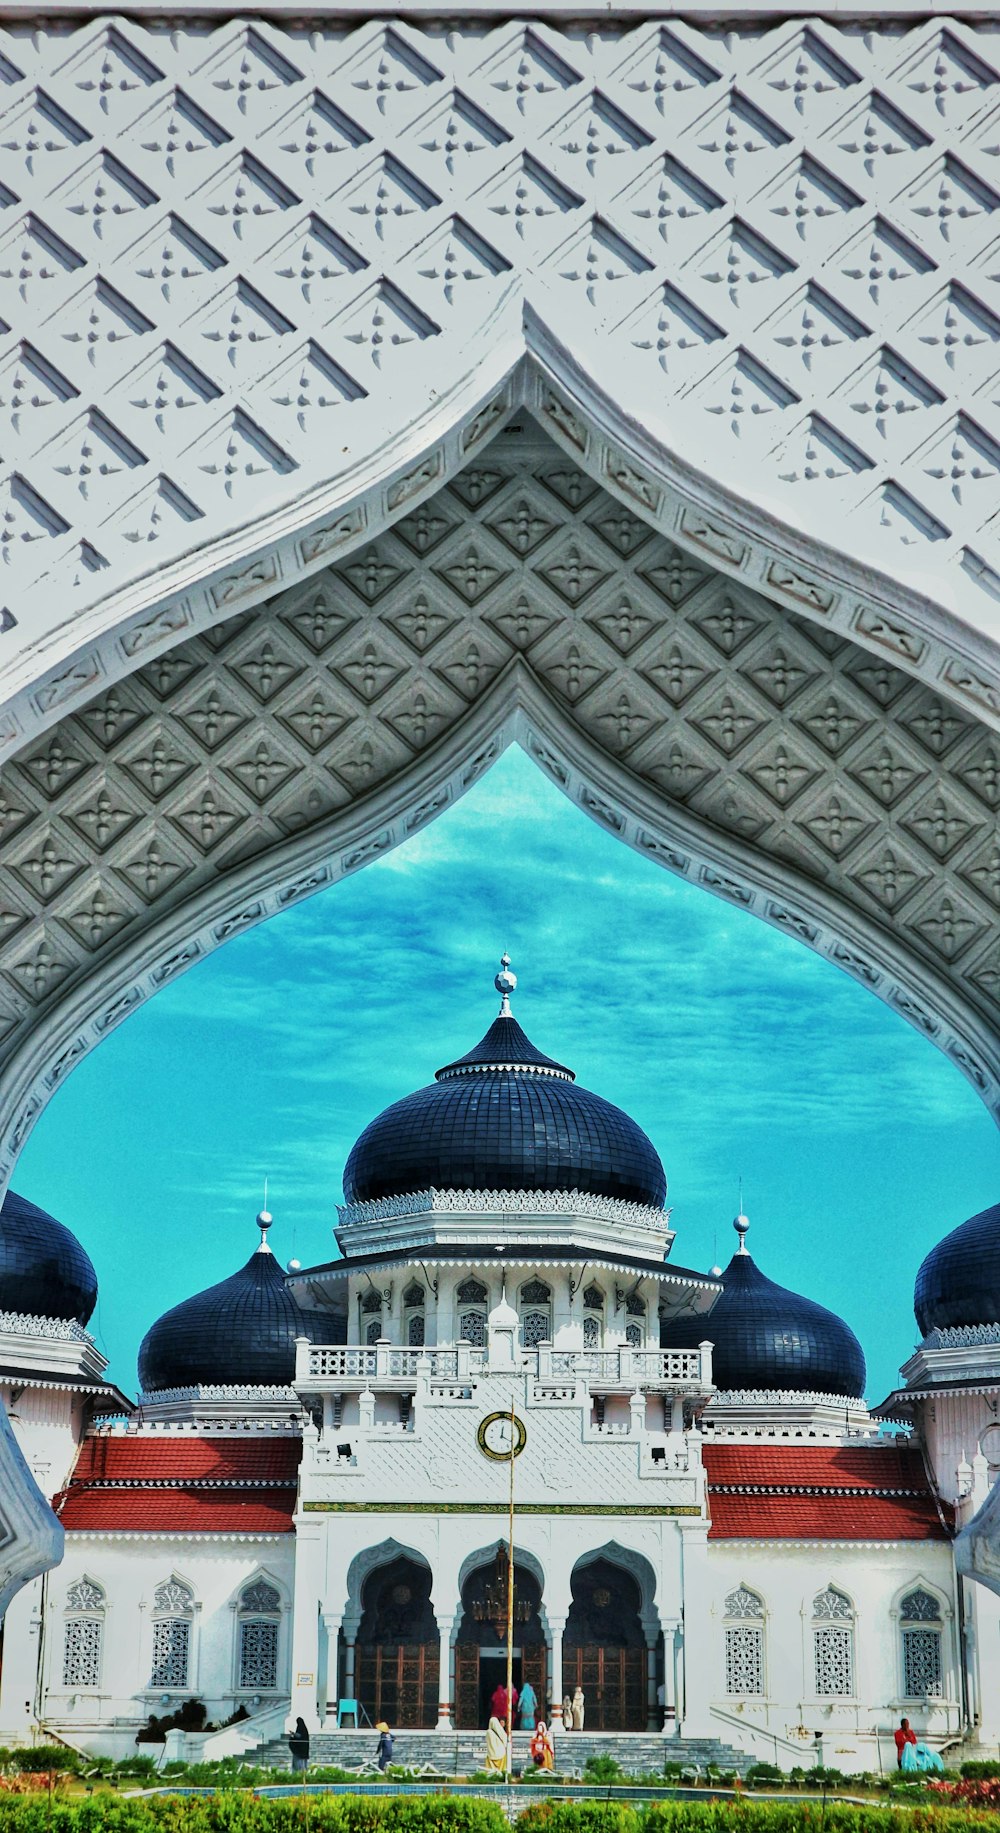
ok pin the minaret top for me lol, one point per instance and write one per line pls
(741, 1224)
(264, 1220)
(505, 982)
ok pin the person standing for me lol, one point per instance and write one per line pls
(579, 1707)
(384, 1752)
(498, 1703)
(543, 1750)
(905, 1735)
(298, 1744)
(529, 1706)
(567, 1713)
(496, 1746)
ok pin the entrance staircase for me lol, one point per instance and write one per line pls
(460, 1753)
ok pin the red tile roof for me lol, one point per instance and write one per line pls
(176, 1511)
(160, 1484)
(160, 1458)
(820, 1492)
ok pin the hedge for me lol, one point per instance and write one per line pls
(746, 1816)
(243, 1813)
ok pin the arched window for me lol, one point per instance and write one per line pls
(593, 1317)
(371, 1317)
(84, 1634)
(473, 1298)
(833, 1644)
(260, 1614)
(635, 1326)
(744, 1642)
(413, 1309)
(173, 1609)
(923, 1670)
(536, 1313)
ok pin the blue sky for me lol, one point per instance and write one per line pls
(739, 1051)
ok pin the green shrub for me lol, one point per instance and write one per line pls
(980, 1771)
(761, 1773)
(604, 1770)
(38, 1757)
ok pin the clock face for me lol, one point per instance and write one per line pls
(502, 1436)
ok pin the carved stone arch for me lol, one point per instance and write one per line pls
(367, 1561)
(927, 1586)
(174, 1596)
(636, 1564)
(525, 1554)
(186, 520)
(768, 760)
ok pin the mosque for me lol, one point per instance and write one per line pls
(715, 1537)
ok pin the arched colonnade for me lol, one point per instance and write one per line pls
(424, 1645)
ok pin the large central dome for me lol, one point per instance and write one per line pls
(504, 1117)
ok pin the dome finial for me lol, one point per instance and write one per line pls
(741, 1224)
(264, 1220)
(505, 982)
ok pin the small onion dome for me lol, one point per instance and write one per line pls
(767, 1338)
(44, 1271)
(239, 1333)
(504, 1117)
(959, 1282)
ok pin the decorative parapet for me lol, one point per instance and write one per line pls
(560, 1203)
(26, 1324)
(962, 1336)
(784, 1397)
(159, 1396)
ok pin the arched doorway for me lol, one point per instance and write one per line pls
(604, 1646)
(396, 1658)
(481, 1645)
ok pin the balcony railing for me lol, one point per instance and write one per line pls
(623, 1368)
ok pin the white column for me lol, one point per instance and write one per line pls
(652, 1714)
(305, 1621)
(446, 1700)
(671, 1657)
(698, 1631)
(331, 1623)
(557, 1625)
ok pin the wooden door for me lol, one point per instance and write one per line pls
(398, 1681)
(466, 1687)
(535, 1667)
(613, 1682)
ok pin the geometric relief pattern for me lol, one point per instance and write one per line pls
(756, 725)
(923, 1675)
(171, 1645)
(218, 261)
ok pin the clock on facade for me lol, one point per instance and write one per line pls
(502, 1436)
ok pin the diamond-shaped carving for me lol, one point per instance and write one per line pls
(528, 71)
(458, 132)
(876, 136)
(596, 135)
(34, 261)
(959, 330)
(260, 767)
(302, 393)
(157, 513)
(239, 459)
(388, 202)
(207, 814)
(935, 725)
(46, 862)
(886, 771)
(530, 203)
(248, 68)
(42, 138)
(471, 572)
(29, 386)
(729, 723)
(384, 325)
(965, 463)
(316, 716)
(93, 457)
(426, 526)
(899, 517)
(736, 136)
(832, 721)
(948, 77)
(166, 388)
(938, 823)
(672, 573)
(814, 331)
(890, 875)
(421, 624)
(240, 329)
(879, 261)
(982, 871)
(738, 260)
(947, 923)
(316, 264)
(100, 325)
(602, 267)
(178, 134)
(837, 823)
(817, 454)
(112, 73)
(979, 770)
(175, 262)
(668, 71)
(390, 70)
(741, 394)
(669, 200)
(455, 259)
(886, 392)
(247, 199)
(103, 194)
(572, 572)
(26, 521)
(673, 331)
(807, 199)
(372, 574)
(521, 523)
(782, 772)
(316, 135)
(950, 202)
(369, 671)
(807, 73)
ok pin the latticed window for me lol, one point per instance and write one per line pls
(744, 1658)
(173, 1605)
(591, 1333)
(415, 1331)
(85, 1601)
(472, 1328)
(635, 1306)
(536, 1329)
(259, 1607)
(171, 1652)
(258, 1655)
(414, 1295)
(593, 1299)
(633, 1335)
(745, 1642)
(373, 1331)
(923, 1672)
(472, 1292)
(833, 1644)
(82, 1652)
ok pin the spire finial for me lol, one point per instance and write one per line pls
(505, 982)
(264, 1220)
(741, 1225)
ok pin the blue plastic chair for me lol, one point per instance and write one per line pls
(347, 1708)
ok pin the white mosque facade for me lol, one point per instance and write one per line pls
(714, 1537)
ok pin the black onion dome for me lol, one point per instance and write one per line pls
(504, 1117)
(959, 1282)
(43, 1269)
(239, 1333)
(768, 1338)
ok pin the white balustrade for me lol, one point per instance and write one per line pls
(623, 1367)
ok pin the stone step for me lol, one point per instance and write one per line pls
(463, 1752)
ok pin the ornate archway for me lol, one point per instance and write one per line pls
(736, 742)
(772, 250)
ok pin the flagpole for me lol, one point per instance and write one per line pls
(510, 1596)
